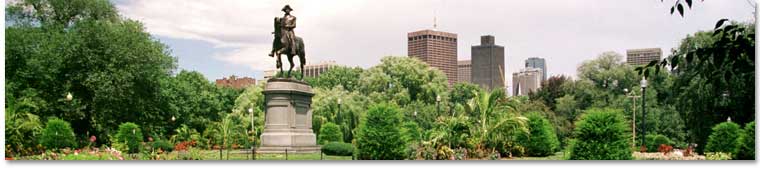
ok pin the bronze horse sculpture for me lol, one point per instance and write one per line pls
(279, 49)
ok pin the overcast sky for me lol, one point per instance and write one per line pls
(233, 37)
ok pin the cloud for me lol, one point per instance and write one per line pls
(359, 33)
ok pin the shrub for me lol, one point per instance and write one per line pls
(747, 150)
(718, 156)
(58, 134)
(542, 140)
(600, 135)
(338, 149)
(379, 136)
(130, 136)
(164, 145)
(654, 141)
(330, 132)
(725, 138)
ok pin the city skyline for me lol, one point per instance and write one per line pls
(226, 38)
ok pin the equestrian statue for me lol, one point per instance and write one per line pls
(286, 42)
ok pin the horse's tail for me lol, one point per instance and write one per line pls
(301, 50)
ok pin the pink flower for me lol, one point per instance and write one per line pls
(93, 138)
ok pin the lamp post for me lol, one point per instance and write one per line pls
(69, 97)
(340, 101)
(633, 97)
(438, 105)
(643, 111)
(253, 135)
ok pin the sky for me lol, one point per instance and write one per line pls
(233, 37)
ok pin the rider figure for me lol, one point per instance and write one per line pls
(287, 37)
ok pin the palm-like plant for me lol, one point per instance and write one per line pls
(498, 120)
(21, 126)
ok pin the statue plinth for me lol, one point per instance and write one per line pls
(288, 118)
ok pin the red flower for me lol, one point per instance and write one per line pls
(93, 138)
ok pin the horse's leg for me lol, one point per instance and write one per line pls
(290, 59)
(302, 58)
(279, 62)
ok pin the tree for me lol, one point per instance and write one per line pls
(379, 136)
(542, 140)
(346, 77)
(600, 135)
(461, 93)
(550, 90)
(251, 98)
(715, 71)
(326, 109)
(747, 150)
(497, 121)
(726, 138)
(330, 132)
(130, 137)
(57, 135)
(111, 66)
(402, 80)
(21, 127)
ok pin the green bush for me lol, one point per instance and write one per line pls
(601, 135)
(330, 132)
(379, 136)
(654, 141)
(725, 138)
(338, 149)
(130, 135)
(717, 156)
(163, 145)
(542, 140)
(58, 134)
(747, 151)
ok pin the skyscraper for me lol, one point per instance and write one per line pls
(526, 81)
(436, 48)
(488, 63)
(537, 62)
(464, 70)
(640, 57)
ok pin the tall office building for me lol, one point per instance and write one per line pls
(537, 62)
(314, 70)
(464, 68)
(488, 63)
(526, 81)
(436, 48)
(638, 57)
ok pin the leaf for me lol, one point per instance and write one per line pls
(720, 23)
(672, 9)
(680, 9)
(688, 2)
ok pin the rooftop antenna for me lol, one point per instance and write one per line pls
(435, 20)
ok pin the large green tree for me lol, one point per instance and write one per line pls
(109, 64)
(403, 80)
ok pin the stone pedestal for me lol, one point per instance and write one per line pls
(288, 118)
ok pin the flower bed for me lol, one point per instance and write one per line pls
(662, 156)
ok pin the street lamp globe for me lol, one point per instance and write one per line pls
(340, 101)
(437, 98)
(174, 118)
(69, 97)
(625, 90)
(250, 110)
(643, 82)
